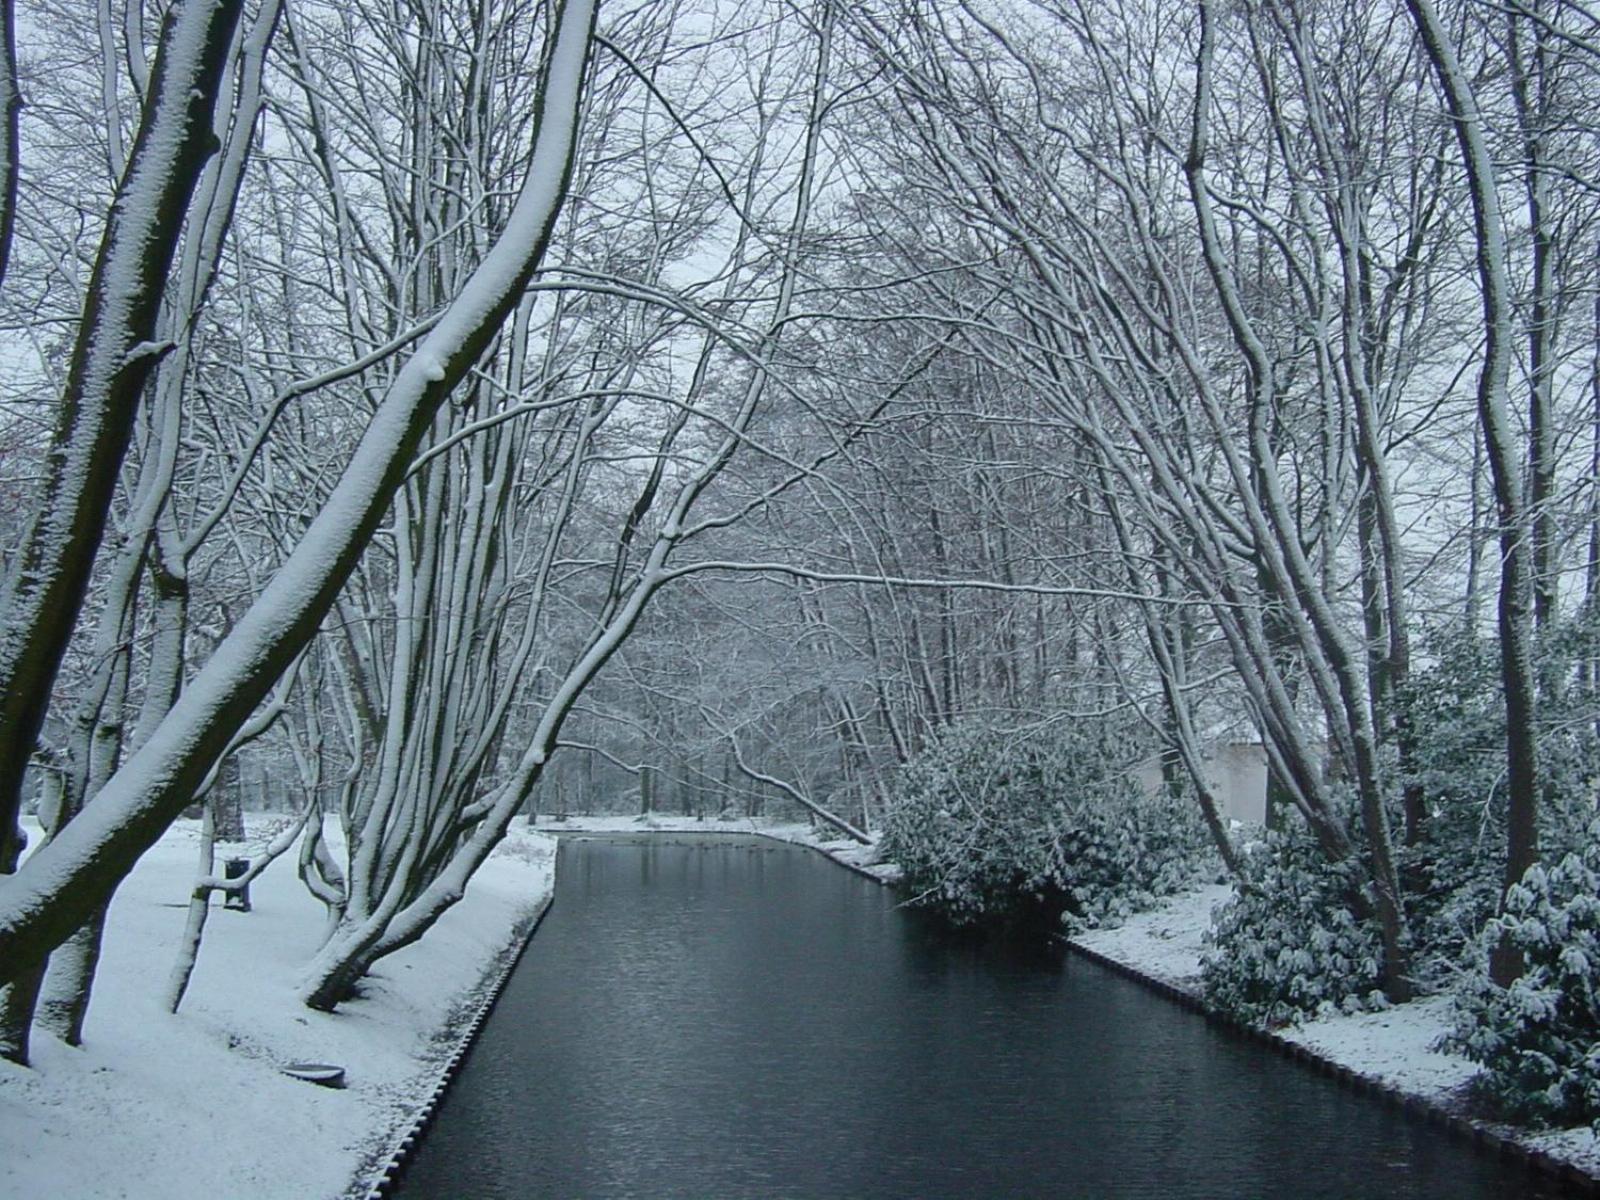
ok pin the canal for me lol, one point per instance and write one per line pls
(733, 1018)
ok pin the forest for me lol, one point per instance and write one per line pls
(912, 414)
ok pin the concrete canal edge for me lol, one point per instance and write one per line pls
(1497, 1140)
(864, 872)
(380, 1181)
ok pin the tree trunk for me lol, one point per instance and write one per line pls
(337, 969)
(1530, 92)
(10, 119)
(18, 1000)
(112, 359)
(19, 997)
(69, 983)
(226, 803)
(1500, 447)
(1339, 682)
(78, 870)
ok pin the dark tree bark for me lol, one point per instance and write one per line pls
(81, 867)
(1500, 447)
(10, 121)
(19, 998)
(112, 359)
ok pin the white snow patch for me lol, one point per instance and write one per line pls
(1165, 942)
(1394, 1046)
(194, 1106)
(1580, 1147)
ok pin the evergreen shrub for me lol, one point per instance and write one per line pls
(1292, 944)
(991, 827)
(1540, 1038)
(1457, 762)
(1455, 712)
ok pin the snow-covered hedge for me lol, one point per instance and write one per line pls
(1455, 712)
(1540, 1038)
(993, 826)
(1457, 762)
(1291, 944)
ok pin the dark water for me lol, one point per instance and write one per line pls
(739, 1019)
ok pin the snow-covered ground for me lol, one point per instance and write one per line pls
(1163, 943)
(1394, 1047)
(800, 833)
(195, 1105)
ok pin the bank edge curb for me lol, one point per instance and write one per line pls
(382, 1180)
(1481, 1134)
(829, 855)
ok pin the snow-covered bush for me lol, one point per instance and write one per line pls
(1457, 762)
(1456, 716)
(1292, 943)
(994, 827)
(1540, 1038)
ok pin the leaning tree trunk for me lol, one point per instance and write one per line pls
(18, 1000)
(69, 983)
(112, 359)
(1340, 683)
(76, 873)
(398, 920)
(1500, 447)
(10, 142)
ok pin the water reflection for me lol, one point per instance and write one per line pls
(735, 1019)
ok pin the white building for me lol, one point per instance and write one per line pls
(1237, 774)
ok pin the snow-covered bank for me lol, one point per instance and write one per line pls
(1165, 942)
(1392, 1049)
(195, 1105)
(850, 853)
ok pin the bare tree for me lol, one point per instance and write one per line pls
(1500, 448)
(62, 885)
(113, 356)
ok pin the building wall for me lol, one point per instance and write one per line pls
(1239, 776)
(1237, 773)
